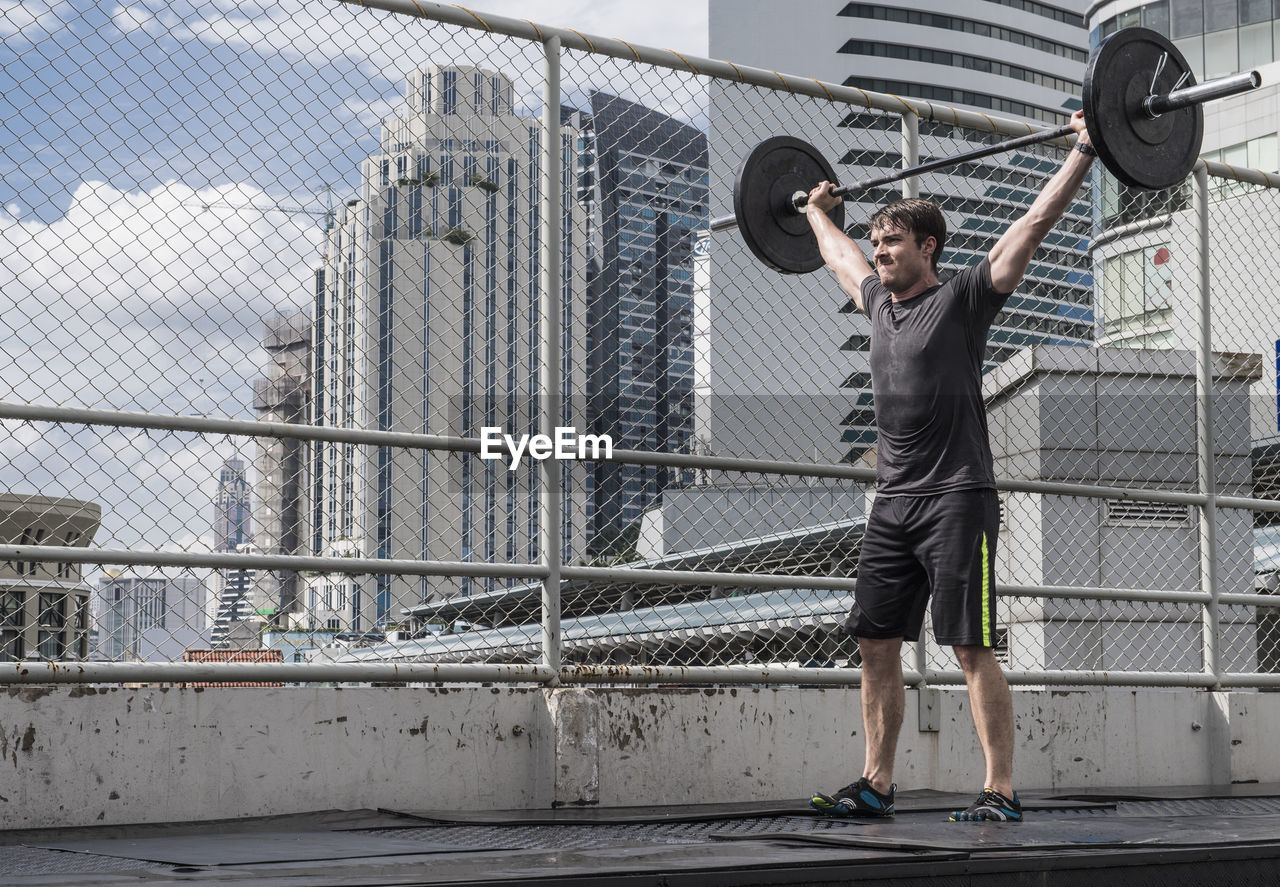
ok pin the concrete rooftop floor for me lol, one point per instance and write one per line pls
(1169, 836)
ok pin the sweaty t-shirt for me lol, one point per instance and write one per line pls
(926, 374)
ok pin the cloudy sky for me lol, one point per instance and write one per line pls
(164, 171)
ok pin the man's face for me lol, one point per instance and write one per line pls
(899, 260)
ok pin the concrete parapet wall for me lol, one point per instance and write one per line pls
(83, 756)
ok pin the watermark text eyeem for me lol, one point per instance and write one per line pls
(565, 444)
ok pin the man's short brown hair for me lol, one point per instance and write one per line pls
(922, 218)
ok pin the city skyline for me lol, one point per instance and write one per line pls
(123, 191)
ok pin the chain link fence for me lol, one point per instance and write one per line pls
(348, 344)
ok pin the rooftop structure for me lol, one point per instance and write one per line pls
(44, 607)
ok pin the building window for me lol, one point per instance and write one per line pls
(495, 96)
(1256, 43)
(450, 92)
(455, 208)
(53, 610)
(51, 636)
(1186, 18)
(391, 213)
(958, 60)
(30, 537)
(11, 646)
(415, 211)
(963, 25)
(1221, 53)
(11, 609)
(1155, 16)
(50, 645)
(1137, 288)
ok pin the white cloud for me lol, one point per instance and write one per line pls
(663, 24)
(387, 47)
(142, 301)
(32, 18)
(301, 29)
(134, 293)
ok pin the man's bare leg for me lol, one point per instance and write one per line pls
(992, 707)
(883, 701)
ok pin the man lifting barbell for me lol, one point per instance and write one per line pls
(931, 533)
(933, 525)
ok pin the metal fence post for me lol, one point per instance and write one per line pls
(550, 542)
(1204, 432)
(910, 152)
(911, 188)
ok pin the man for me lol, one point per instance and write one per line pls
(933, 525)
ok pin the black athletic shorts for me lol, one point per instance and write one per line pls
(915, 547)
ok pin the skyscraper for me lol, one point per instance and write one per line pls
(427, 320)
(231, 532)
(644, 181)
(280, 485)
(231, 507)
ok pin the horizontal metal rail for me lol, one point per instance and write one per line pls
(1241, 174)
(35, 672)
(407, 440)
(1100, 677)
(374, 566)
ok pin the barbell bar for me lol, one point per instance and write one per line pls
(1142, 108)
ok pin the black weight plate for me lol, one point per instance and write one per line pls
(1140, 151)
(773, 229)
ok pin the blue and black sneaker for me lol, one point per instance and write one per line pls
(858, 799)
(991, 806)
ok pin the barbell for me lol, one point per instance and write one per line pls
(1142, 107)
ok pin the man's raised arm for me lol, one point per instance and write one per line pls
(1013, 251)
(839, 252)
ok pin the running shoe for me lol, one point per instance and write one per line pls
(991, 806)
(858, 799)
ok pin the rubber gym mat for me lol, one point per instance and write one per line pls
(262, 847)
(920, 800)
(1168, 792)
(320, 820)
(1046, 833)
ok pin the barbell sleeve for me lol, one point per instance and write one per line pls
(1220, 88)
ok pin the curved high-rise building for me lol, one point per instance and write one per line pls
(1020, 59)
(426, 321)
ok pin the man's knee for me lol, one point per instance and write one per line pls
(973, 657)
(880, 651)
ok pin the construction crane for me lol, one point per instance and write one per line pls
(329, 214)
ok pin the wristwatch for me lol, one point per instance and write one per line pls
(1086, 149)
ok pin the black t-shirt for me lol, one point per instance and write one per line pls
(926, 374)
